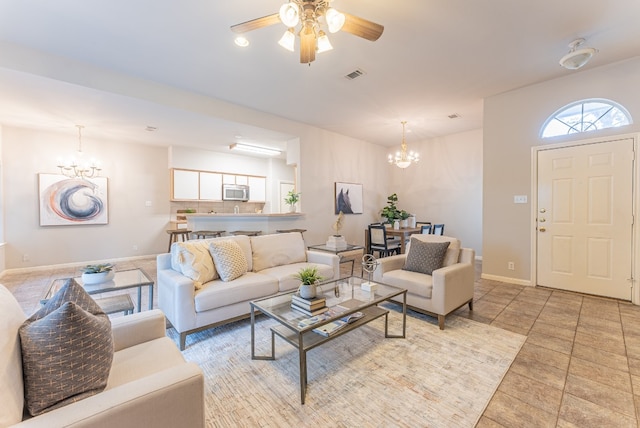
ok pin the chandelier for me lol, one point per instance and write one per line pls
(78, 167)
(402, 159)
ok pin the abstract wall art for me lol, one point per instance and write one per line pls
(72, 201)
(349, 198)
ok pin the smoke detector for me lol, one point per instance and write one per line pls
(576, 58)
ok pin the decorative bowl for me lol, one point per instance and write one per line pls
(97, 278)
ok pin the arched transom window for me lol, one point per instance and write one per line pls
(585, 116)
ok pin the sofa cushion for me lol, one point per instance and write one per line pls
(250, 286)
(286, 274)
(453, 251)
(425, 257)
(277, 250)
(228, 258)
(12, 392)
(193, 260)
(67, 350)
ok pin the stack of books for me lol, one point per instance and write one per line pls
(310, 307)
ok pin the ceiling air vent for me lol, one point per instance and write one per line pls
(355, 74)
(453, 116)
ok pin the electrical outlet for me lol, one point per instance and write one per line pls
(511, 266)
(520, 199)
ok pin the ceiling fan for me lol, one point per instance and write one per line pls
(312, 15)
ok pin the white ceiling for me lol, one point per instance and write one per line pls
(435, 58)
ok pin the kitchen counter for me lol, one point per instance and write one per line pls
(229, 222)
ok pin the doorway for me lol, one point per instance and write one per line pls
(584, 217)
(285, 187)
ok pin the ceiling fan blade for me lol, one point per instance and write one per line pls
(361, 27)
(254, 24)
(307, 45)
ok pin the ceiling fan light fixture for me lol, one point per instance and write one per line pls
(288, 40)
(335, 20)
(577, 58)
(289, 14)
(323, 43)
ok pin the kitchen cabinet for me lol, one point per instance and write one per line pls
(192, 185)
(185, 185)
(257, 189)
(210, 186)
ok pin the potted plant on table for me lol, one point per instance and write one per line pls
(96, 274)
(309, 277)
(291, 200)
(391, 212)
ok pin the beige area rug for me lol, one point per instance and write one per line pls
(432, 378)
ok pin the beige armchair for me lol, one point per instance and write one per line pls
(445, 290)
(150, 383)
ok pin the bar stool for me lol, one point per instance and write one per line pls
(208, 233)
(175, 233)
(246, 232)
(301, 231)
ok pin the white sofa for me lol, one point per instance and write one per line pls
(440, 293)
(150, 383)
(193, 302)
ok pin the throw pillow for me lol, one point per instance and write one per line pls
(67, 350)
(425, 257)
(229, 259)
(194, 261)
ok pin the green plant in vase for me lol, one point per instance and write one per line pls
(292, 199)
(391, 212)
(309, 277)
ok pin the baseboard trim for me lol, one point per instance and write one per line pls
(516, 281)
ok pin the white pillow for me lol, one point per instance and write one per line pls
(12, 392)
(277, 250)
(229, 259)
(194, 261)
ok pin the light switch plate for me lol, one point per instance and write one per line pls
(520, 199)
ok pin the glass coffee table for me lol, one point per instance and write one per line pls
(133, 278)
(345, 293)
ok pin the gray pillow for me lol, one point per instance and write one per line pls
(67, 350)
(425, 257)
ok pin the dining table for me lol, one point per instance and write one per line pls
(403, 233)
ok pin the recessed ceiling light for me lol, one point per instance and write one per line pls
(241, 41)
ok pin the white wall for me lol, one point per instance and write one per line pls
(136, 174)
(512, 124)
(445, 186)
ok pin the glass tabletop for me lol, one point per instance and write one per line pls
(324, 247)
(121, 280)
(345, 292)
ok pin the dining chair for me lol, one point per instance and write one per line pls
(378, 241)
(425, 228)
(438, 229)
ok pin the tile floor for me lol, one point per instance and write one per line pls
(580, 365)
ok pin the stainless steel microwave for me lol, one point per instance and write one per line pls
(235, 192)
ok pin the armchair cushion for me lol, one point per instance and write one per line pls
(67, 350)
(425, 257)
(11, 393)
(229, 259)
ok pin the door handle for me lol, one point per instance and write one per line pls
(542, 229)
(542, 210)
(542, 220)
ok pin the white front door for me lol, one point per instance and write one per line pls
(585, 218)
